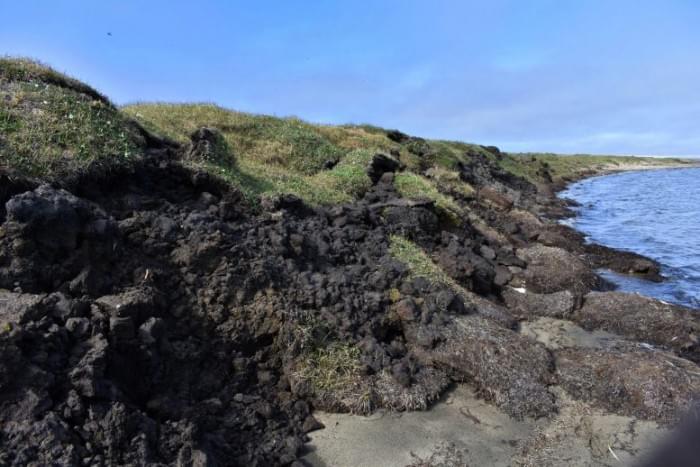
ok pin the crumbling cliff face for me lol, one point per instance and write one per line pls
(154, 317)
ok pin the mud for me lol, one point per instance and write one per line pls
(154, 317)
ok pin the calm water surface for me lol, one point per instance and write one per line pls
(655, 213)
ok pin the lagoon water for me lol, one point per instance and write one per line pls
(655, 213)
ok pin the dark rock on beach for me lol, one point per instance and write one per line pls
(644, 319)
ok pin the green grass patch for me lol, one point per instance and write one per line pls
(32, 71)
(450, 180)
(286, 142)
(274, 155)
(330, 369)
(287, 155)
(347, 181)
(49, 130)
(411, 185)
(417, 260)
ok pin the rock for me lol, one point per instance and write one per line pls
(311, 424)
(455, 263)
(549, 238)
(87, 376)
(623, 262)
(209, 145)
(90, 281)
(79, 327)
(55, 218)
(495, 198)
(151, 331)
(445, 301)
(131, 303)
(649, 384)
(412, 219)
(207, 199)
(527, 304)
(380, 164)
(167, 227)
(487, 252)
(121, 328)
(18, 309)
(512, 371)
(644, 319)
(292, 204)
(397, 136)
(407, 310)
(552, 270)
(503, 276)
(387, 178)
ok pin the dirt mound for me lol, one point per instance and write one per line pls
(155, 318)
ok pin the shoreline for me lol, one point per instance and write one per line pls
(612, 169)
(462, 434)
(574, 214)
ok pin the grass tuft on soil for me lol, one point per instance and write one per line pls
(411, 185)
(33, 71)
(419, 263)
(52, 125)
(330, 369)
(451, 182)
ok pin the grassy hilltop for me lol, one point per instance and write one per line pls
(52, 125)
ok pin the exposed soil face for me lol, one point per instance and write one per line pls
(152, 317)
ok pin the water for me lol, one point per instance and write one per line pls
(655, 213)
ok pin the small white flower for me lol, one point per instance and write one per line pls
(46, 102)
(70, 116)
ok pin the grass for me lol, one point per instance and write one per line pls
(528, 165)
(411, 185)
(287, 142)
(348, 180)
(421, 265)
(450, 180)
(418, 262)
(33, 71)
(288, 155)
(52, 125)
(330, 369)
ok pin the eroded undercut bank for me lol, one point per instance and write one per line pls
(155, 318)
(180, 308)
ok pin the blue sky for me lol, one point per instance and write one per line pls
(611, 76)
